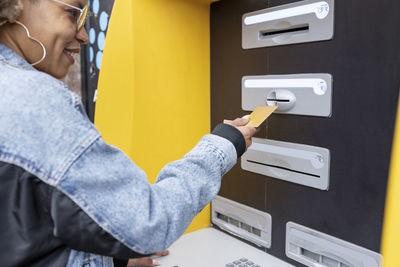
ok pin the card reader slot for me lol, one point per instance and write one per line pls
(283, 168)
(278, 100)
(298, 94)
(293, 30)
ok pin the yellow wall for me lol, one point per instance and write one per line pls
(154, 95)
(391, 230)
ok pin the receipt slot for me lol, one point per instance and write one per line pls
(313, 248)
(297, 163)
(300, 22)
(243, 221)
(300, 94)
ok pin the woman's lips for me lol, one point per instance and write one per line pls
(68, 53)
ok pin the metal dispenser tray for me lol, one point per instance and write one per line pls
(243, 221)
(316, 249)
(301, 164)
(300, 94)
(299, 22)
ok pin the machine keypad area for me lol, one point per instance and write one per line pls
(243, 262)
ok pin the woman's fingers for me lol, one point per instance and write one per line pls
(147, 261)
(240, 121)
(143, 262)
(162, 253)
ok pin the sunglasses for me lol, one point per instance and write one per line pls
(83, 14)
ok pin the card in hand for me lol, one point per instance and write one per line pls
(259, 115)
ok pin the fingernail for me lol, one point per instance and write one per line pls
(246, 116)
(224, 121)
(156, 262)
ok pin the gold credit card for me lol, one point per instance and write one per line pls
(259, 115)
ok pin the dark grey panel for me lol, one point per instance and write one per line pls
(96, 27)
(228, 64)
(364, 61)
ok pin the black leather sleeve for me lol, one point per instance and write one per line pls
(232, 134)
(74, 227)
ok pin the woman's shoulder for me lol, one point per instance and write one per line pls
(40, 123)
(32, 86)
(39, 98)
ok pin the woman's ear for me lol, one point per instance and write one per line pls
(10, 10)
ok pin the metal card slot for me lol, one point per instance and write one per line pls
(299, 22)
(316, 249)
(296, 29)
(301, 164)
(243, 221)
(297, 94)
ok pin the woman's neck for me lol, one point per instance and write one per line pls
(9, 35)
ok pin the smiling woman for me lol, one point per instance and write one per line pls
(46, 34)
(67, 198)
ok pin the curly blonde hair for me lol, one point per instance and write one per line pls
(9, 10)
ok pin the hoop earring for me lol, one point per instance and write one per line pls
(34, 39)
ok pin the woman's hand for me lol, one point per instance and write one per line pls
(147, 261)
(247, 131)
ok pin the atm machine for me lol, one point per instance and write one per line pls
(311, 189)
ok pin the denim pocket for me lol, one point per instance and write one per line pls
(92, 260)
(86, 262)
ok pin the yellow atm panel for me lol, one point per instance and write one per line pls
(391, 230)
(154, 94)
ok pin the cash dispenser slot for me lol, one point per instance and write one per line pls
(297, 29)
(297, 163)
(242, 221)
(283, 168)
(298, 94)
(299, 22)
(316, 249)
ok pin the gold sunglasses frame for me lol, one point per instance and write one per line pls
(82, 17)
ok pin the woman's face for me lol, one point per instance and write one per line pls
(53, 24)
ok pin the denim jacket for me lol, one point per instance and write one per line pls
(44, 130)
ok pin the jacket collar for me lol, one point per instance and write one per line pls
(11, 58)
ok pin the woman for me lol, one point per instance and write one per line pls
(66, 197)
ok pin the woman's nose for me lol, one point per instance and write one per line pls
(82, 36)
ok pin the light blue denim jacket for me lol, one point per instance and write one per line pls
(44, 130)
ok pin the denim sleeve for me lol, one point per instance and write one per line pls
(115, 192)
